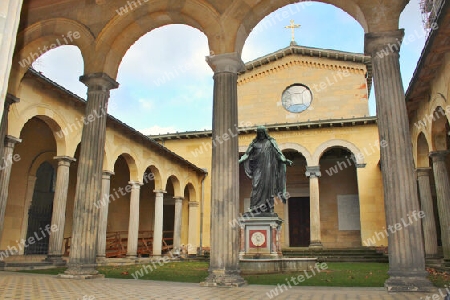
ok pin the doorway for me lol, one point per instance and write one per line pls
(40, 212)
(299, 225)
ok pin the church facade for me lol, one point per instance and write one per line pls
(314, 102)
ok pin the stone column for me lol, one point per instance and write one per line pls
(224, 260)
(426, 205)
(133, 224)
(28, 198)
(406, 251)
(5, 172)
(193, 241)
(9, 23)
(55, 251)
(10, 99)
(103, 215)
(177, 225)
(313, 172)
(158, 225)
(83, 250)
(443, 195)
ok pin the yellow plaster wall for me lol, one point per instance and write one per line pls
(364, 138)
(339, 90)
(57, 113)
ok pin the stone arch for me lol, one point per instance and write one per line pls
(368, 16)
(155, 176)
(40, 159)
(250, 18)
(132, 166)
(177, 192)
(337, 143)
(423, 151)
(53, 120)
(439, 129)
(191, 191)
(47, 33)
(123, 31)
(299, 148)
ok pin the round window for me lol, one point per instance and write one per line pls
(296, 98)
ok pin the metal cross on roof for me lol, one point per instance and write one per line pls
(292, 26)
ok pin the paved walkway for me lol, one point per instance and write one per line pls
(32, 286)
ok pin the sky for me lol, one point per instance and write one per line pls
(167, 86)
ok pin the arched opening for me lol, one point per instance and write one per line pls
(298, 206)
(55, 65)
(40, 211)
(169, 213)
(265, 37)
(119, 208)
(31, 188)
(174, 80)
(146, 213)
(339, 199)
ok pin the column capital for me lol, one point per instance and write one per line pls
(313, 171)
(194, 204)
(11, 141)
(378, 41)
(10, 99)
(423, 171)
(99, 82)
(440, 155)
(360, 166)
(64, 160)
(135, 184)
(106, 174)
(160, 191)
(180, 199)
(227, 62)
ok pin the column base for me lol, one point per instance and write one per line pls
(81, 272)
(56, 260)
(316, 245)
(223, 278)
(446, 263)
(408, 284)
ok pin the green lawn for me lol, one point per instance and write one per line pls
(337, 274)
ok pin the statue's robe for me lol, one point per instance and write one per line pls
(268, 173)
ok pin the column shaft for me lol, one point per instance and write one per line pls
(158, 225)
(177, 225)
(193, 241)
(313, 172)
(406, 251)
(55, 251)
(443, 195)
(5, 173)
(103, 215)
(224, 260)
(83, 249)
(133, 224)
(426, 205)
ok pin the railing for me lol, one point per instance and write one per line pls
(116, 243)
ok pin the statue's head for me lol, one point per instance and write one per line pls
(261, 133)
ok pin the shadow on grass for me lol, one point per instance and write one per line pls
(337, 274)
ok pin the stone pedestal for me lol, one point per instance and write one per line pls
(260, 238)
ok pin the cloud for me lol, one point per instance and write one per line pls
(157, 130)
(146, 104)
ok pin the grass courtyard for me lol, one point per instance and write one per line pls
(335, 274)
